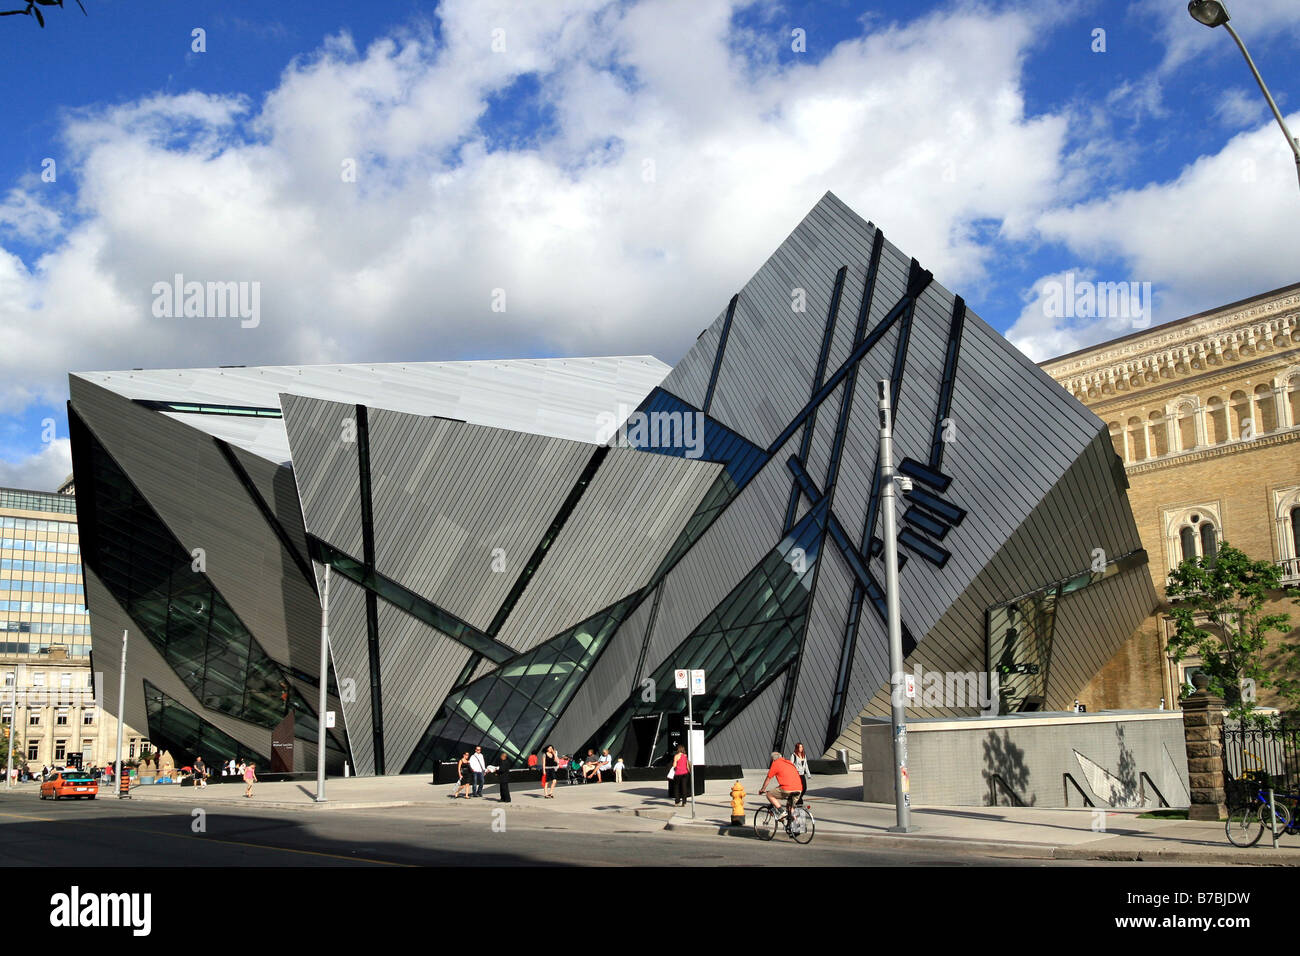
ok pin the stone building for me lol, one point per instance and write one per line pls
(45, 638)
(1205, 412)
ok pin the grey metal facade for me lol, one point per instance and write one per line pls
(505, 574)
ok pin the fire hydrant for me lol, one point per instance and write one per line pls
(738, 804)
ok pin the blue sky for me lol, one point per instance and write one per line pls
(617, 169)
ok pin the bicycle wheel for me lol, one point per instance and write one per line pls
(803, 826)
(765, 823)
(1283, 820)
(1246, 826)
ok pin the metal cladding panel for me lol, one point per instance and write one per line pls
(350, 655)
(609, 684)
(621, 529)
(326, 469)
(205, 505)
(418, 665)
(819, 661)
(561, 398)
(747, 738)
(733, 545)
(144, 663)
(1083, 512)
(446, 495)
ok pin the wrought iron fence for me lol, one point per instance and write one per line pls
(1260, 756)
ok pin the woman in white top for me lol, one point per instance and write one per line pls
(800, 760)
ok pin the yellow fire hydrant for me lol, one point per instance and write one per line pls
(738, 804)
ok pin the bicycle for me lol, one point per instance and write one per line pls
(798, 821)
(1247, 825)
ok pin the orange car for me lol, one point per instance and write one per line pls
(70, 783)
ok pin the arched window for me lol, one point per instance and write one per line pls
(1293, 400)
(1240, 413)
(1209, 542)
(1295, 531)
(1159, 434)
(1137, 440)
(1216, 421)
(1117, 439)
(1187, 537)
(1265, 409)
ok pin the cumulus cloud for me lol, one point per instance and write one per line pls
(665, 164)
(43, 471)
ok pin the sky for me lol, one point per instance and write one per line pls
(474, 179)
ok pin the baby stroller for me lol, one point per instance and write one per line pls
(574, 773)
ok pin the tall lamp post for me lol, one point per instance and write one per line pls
(1212, 13)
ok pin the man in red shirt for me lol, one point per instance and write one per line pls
(788, 783)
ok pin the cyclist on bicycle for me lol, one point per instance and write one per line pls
(788, 786)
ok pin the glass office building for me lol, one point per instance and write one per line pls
(522, 552)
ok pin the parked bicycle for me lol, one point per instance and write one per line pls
(797, 821)
(1247, 825)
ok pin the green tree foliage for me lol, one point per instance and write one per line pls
(1218, 612)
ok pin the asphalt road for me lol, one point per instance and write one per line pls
(117, 833)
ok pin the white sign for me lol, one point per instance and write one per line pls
(909, 685)
(682, 678)
(697, 683)
(329, 718)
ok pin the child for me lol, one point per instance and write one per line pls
(250, 778)
(618, 771)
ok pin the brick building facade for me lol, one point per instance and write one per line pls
(1205, 412)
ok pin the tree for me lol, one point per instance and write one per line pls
(33, 9)
(1217, 609)
(20, 755)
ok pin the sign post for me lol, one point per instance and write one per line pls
(691, 681)
(13, 729)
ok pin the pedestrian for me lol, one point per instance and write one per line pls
(550, 771)
(680, 774)
(503, 776)
(200, 773)
(618, 771)
(478, 767)
(800, 761)
(250, 778)
(462, 777)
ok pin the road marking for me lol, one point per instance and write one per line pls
(208, 839)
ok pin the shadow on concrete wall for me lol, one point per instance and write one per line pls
(1005, 773)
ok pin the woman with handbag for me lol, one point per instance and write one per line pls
(680, 776)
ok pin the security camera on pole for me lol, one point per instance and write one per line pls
(893, 613)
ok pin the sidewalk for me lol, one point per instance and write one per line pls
(842, 818)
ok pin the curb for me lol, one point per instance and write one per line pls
(1029, 851)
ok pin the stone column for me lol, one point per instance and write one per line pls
(1203, 733)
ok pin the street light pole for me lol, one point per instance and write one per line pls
(1212, 13)
(893, 614)
(323, 702)
(121, 713)
(13, 729)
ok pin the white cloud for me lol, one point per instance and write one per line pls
(921, 127)
(43, 471)
(1223, 229)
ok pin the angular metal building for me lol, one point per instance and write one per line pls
(517, 559)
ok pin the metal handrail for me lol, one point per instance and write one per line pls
(1068, 779)
(997, 779)
(1143, 780)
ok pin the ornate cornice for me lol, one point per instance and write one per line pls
(1167, 354)
(1214, 451)
(1214, 378)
